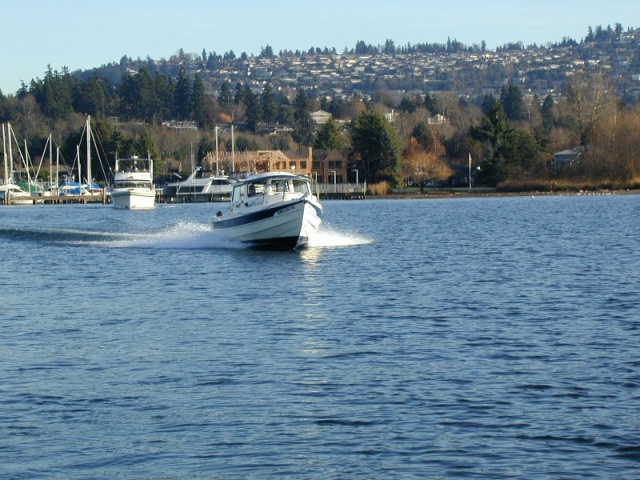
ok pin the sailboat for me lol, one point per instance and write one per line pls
(9, 191)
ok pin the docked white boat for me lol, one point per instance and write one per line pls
(133, 184)
(201, 186)
(10, 192)
(271, 210)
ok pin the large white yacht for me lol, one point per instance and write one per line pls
(200, 186)
(133, 184)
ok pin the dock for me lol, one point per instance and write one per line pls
(102, 198)
(340, 191)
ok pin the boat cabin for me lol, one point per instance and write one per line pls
(270, 189)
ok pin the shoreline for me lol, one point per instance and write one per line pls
(473, 194)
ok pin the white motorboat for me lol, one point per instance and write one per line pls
(10, 192)
(271, 210)
(133, 184)
(200, 186)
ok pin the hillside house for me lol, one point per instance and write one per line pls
(320, 117)
(566, 158)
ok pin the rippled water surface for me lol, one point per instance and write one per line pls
(456, 338)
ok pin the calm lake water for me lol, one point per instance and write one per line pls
(452, 338)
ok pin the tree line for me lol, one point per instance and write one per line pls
(413, 138)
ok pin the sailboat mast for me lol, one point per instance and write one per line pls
(10, 155)
(217, 150)
(50, 160)
(27, 163)
(233, 151)
(89, 179)
(4, 154)
(57, 167)
(79, 165)
(192, 165)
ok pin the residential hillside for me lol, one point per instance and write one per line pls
(365, 70)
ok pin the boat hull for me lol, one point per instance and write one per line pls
(287, 225)
(133, 199)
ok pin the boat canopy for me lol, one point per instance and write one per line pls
(270, 184)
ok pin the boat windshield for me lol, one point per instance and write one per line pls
(276, 186)
(301, 186)
(131, 185)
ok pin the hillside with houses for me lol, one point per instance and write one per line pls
(533, 117)
(467, 71)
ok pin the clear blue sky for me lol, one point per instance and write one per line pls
(82, 34)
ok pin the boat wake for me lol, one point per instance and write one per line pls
(181, 235)
(327, 238)
(185, 235)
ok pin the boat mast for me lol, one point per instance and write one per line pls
(79, 165)
(27, 162)
(233, 152)
(192, 165)
(50, 161)
(216, 129)
(10, 154)
(57, 167)
(89, 179)
(4, 154)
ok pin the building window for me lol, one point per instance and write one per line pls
(303, 165)
(316, 165)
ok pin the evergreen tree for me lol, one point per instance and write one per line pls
(93, 97)
(487, 104)
(239, 96)
(225, 97)
(164, 91)
(407, 105)
(268, 104)
(197, 101)
(213, 61)
(548, 113)
(4, 110)
(285, 112)
(513, 102)
(329, 137)
(423, 136)
(302, 132)
(127, 96)
(375, 143)
(493, 131)
(55, 94)
(182, 96)
(147, 99)
(267, 52)
(206, 145)
(431, 104)
(254, 111)
(337, 108)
